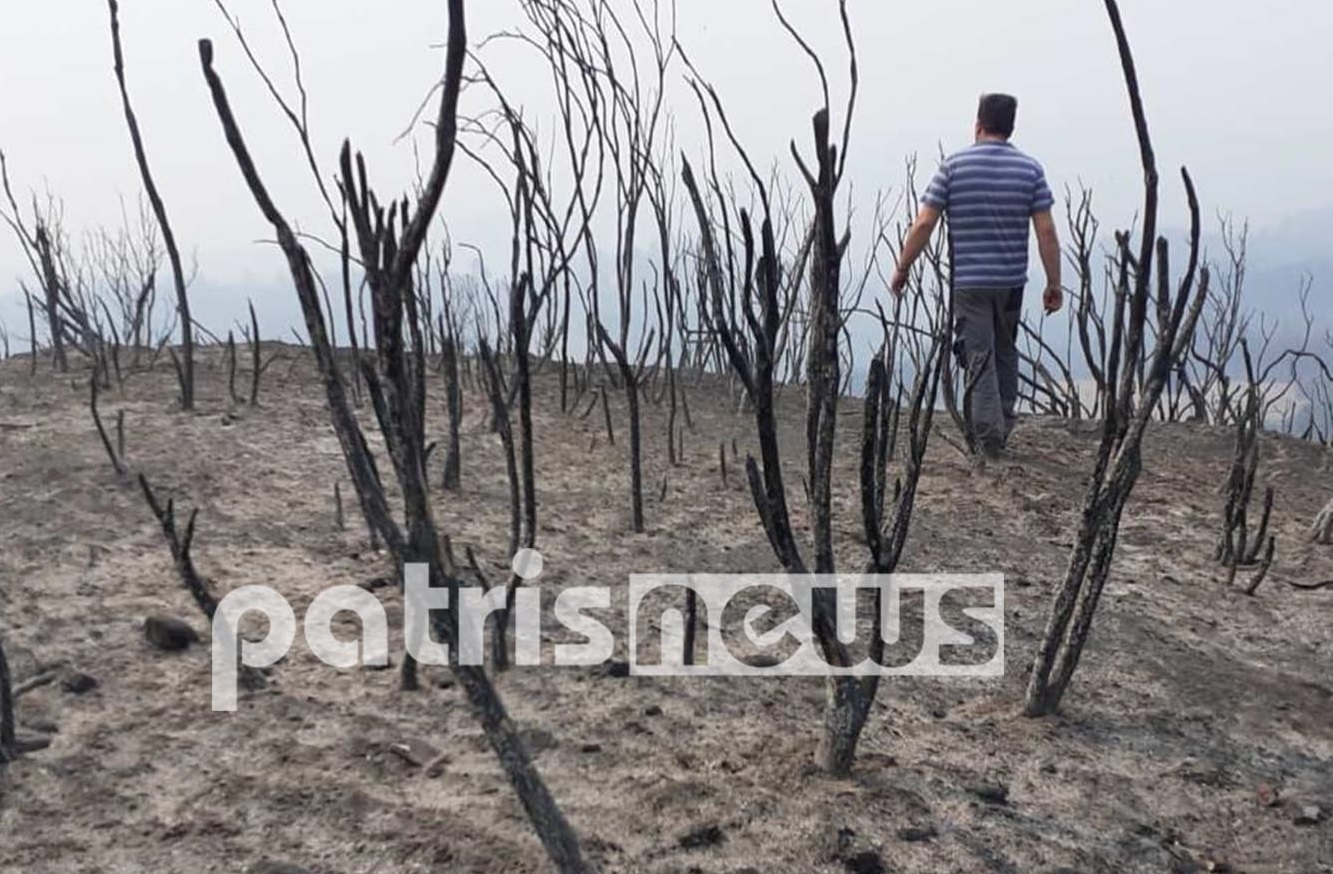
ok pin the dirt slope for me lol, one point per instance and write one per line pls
(1190, 698)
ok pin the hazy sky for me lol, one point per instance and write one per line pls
(1231, 86)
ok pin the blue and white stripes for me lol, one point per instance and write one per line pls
(990, 192)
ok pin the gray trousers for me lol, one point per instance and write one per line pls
(985, 323)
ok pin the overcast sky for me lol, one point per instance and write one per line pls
(1231, 86)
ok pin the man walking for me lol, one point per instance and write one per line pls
(990, 192)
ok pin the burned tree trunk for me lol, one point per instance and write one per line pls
(185, 372)
(846, 705)
(631, 378)
(257, 363)
(520, 460)
(611, 103)
(231, 367)
(32, 332)
(179, 544)
(505, 429)
(50, 277)
(1239, 546)
(606, 415)
(565, 365)
(1119, 459)
(8, 739)
(390, 242)
(520, 328)
(115, 453)
(753, 357)
(453, 459)
(1265, 565)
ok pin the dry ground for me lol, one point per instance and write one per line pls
(1191, 697)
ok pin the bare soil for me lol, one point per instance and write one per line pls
(1192, 703)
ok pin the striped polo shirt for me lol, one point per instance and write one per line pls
(989, 193)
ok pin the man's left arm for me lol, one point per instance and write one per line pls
(1048, 243)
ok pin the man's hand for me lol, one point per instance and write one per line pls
(899, 283)
(1053, 299)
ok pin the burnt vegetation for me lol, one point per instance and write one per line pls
(639, 271)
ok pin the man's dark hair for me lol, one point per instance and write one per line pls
(997, 113)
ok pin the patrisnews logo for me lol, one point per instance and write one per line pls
(932, 625)
(929, 625)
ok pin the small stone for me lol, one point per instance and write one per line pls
(76, 683)
(538, 740)
(434, 770)
(865, 862)
(728, 766)
(1267, 795)
(839, 845)
(415, 752)
(1148, 830)
(1185, 864)
(652, 710)
(702, 836)
(991, 793)
(175, 831)
(276, 868)
(253, 679)
(917, 834)
(169, 634)
(1309, 814)
(613, 670)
